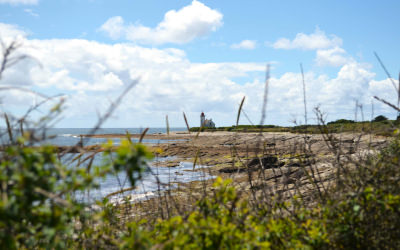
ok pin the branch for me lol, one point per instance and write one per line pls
(387, 103)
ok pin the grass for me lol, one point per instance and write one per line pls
(385, 128)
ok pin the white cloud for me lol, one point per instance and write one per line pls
(92, 74)
(336, 96)
(181, 26)
(328, 48)
(316, 40)
(245, 44)
(31, 12)
(9, 31)
(114, 27)
(335, 57)
(19, 2)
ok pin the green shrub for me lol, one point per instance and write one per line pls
(380, 118)
(341, 121)
(38, 207)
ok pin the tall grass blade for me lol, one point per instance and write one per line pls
(356, 111)
(167, 123)
(240, 110)
(398, 94)
(143, 134)
(21, 126)
(265, 99)
(9, 129)
(386, 71)
(186, 122)
(91, 157)
(128, 136)
(196, 158)
(304, 94)
(198, 132)
(387, 103)
(247, 117)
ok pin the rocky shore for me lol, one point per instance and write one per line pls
(282, 163)
(231, 154)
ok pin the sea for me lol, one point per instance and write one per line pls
(71, 136)
(155, 179)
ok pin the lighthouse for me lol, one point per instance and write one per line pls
(206, 123)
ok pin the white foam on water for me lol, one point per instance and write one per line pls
(131, 198)
(66, 135)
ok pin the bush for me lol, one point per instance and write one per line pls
(341, 121)
(226, 222)
(38, 206)
(380, 118)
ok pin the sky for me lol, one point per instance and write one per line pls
(200, 56)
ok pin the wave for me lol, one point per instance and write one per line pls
(69, 135)
(131, 198)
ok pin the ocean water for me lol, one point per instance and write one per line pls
(71, 136)
(155, 179)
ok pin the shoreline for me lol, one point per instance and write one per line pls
(229, 154)
(160, 136)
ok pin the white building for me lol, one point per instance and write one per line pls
(205, 122)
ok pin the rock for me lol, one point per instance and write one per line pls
(267, 162)
(230, 170)
(292, 176)
(293, 164)
(270, 161)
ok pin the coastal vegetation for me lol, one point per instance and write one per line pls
(311, 191)
(379, 125)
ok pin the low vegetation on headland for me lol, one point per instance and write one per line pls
(286, 196)
(379, 125)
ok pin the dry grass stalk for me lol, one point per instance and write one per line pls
(186, 122)
(143, 134)
(239, 110)
(167, 123)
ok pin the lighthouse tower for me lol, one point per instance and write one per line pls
(202, 119)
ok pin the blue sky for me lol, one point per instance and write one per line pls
(195, 56)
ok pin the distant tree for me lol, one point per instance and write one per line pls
(380, 118)
(341, 121)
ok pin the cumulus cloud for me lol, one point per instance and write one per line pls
(335, 57)
(336, 96)
(327, 48)
(92, 74)
(181, 26)
(316, 40)
(245, 44)
(9, 31)
(19, 2)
